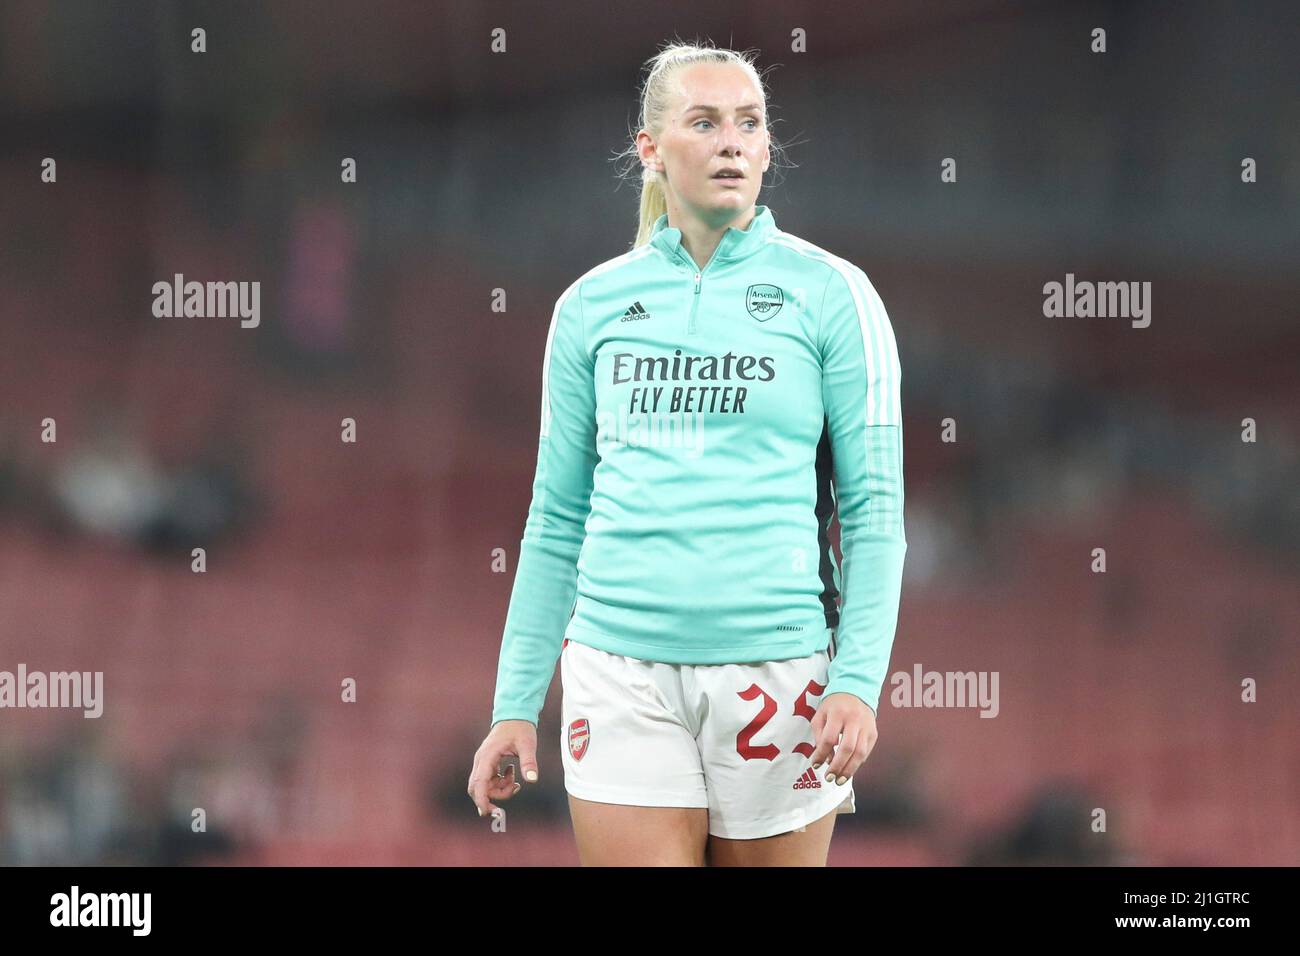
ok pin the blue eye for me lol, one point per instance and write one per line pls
(699, 121)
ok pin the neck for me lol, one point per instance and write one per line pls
(700, 238)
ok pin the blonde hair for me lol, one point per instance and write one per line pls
(657, 92)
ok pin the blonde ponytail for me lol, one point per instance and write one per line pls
(653, 205)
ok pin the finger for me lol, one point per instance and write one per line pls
(826, 741)
(843, 753)
(528, 759)
(478, 794)
(866, 744)
(500, 786)
(505, 786)
(825, 748)
(486, 763)
(514, 788)
(860, 754)
(817, 723)
(482, 803)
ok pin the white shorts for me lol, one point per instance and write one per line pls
(734, 738)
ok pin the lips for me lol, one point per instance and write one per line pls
(728, 173)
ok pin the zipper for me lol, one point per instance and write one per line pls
(695, 297)
(695, 305)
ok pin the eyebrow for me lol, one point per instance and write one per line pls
(747, 108)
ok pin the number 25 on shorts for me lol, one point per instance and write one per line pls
(770, 751)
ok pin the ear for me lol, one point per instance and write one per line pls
(648, 152)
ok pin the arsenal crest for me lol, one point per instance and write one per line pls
(579, 734)
(764, 301)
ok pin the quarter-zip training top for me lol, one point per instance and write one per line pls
(699, 429)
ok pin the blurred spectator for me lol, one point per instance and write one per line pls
(1055, 829)
(110, 485)
(64, 806)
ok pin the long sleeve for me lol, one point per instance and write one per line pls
(545, 585)
(860, 393)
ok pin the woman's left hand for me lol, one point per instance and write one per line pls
(844, 728)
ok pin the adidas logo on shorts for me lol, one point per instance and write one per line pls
(808, 781)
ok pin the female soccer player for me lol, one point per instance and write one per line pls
(698, 393)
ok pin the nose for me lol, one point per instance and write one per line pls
(729, 139)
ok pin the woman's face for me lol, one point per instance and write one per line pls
(715, 122)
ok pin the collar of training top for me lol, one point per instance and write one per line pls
(735, 243)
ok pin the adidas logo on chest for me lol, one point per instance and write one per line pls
(634, 312)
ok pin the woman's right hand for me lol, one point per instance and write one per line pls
(487, 782)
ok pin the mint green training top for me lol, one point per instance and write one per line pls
(691, 422)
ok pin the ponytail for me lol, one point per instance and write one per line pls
(653, 205)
